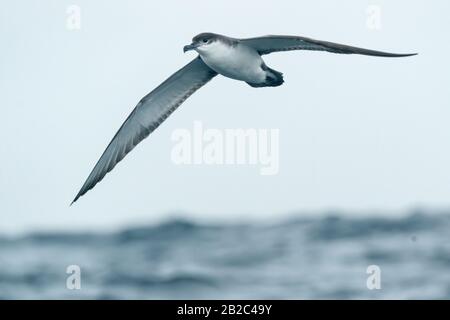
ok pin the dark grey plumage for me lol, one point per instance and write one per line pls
(269, 44)
(149, 113)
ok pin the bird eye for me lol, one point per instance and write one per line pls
(205, 40)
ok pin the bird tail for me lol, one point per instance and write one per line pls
(273, 78)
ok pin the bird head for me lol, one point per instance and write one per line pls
(201, 42)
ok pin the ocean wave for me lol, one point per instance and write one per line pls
(302, 257)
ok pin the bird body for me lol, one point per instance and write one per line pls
(238, 59)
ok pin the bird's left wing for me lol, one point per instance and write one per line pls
(149, 113)
(269, 44)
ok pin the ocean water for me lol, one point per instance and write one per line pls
(300, 258)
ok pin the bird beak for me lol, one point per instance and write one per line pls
(190, 47)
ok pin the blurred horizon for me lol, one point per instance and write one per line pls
(236, 219)
(328, 257)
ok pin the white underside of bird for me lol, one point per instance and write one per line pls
(240, 62)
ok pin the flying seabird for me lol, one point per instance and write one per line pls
(239, 59)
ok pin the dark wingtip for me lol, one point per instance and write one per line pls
(75, 200)
(404, 55)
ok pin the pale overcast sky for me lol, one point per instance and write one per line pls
(356, 133)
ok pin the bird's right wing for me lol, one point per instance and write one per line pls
(269, 44)
(149, 113)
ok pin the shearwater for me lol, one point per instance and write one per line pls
(238, 59)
